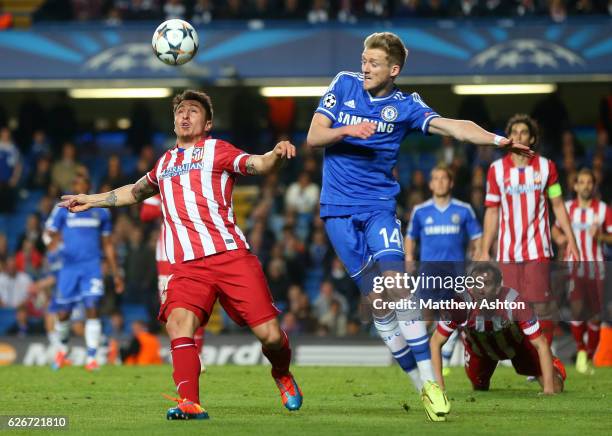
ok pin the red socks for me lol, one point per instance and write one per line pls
(592, 338)
(548, 329)
(186, 365)
(578, 330)
(198, 338)
(280, 359)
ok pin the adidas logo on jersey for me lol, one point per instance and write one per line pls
(350, 103)
(429, 220)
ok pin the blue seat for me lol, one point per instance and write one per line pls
(8, 318)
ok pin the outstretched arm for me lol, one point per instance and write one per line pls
(468, 131)
(124, 196)
(272, 160)
(321, 133)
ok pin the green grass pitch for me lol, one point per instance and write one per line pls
(338, 401)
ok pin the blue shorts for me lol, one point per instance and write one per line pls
(362, 239)
(80, 282)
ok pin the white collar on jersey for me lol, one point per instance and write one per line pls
(391, 94)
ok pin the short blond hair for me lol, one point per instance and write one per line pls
(445, 168)
(391, 44)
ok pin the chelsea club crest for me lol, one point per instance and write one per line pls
(388, 113)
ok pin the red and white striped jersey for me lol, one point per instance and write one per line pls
(584, 221)
(152, 210)
(524, 231)
(195, 186)
(494, 333)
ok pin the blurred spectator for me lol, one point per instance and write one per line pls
(334, 320)
(583, 7)
(327, 294)
(407, 8)
(33, 232)
(40, 178)
(344, 284)
(202, 12)
(45, 206)
(346, 12)
(146, 160)
(114, 175)
(319, 12)
(138, 9)
(143, 347)
(320, 253)
(14, 286)
(496, 8)
(557, 10)
(65, 170)
(40, 145)
(10, 171)
(232, 10)
(477, 197)
(375, 9)
(139, 267)
(524, 8)
(292, 10)
(278, 282)
(302, 195)
(465, 8)
(113, 17)
(174, 9)
(302, 320)
(87, 10)
(28, 259)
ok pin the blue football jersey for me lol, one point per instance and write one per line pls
(443, 233)
(80, 232)
(357, 173)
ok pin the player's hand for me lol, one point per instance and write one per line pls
(119, 284)
(75, 203)
(573, 249)
(363, 130)
(285, 150)
(515, 147)
(483, 257)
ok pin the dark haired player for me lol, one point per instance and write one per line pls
(208, 252)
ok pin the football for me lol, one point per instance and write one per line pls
(175, 42)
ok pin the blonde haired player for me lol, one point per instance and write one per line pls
(360, 122)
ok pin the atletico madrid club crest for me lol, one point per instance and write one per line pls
(197, 155)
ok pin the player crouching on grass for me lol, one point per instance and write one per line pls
(491, 335)
(208, 252)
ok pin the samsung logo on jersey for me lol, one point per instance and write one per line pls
(442, 230)
(521, 189)
(348, 119)
(82, 222)
(181, 169)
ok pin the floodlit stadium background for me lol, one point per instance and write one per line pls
(83, 73)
